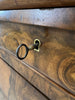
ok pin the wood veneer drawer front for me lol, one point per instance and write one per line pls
(56, 59)
(15, 87)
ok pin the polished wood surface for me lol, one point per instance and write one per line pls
(15, 87)
(49, 88)
(54, 64)
(20, 4)
(63, 18)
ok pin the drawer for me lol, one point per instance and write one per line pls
(50, 69)
(15, 87)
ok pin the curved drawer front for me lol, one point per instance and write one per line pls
(56, 58)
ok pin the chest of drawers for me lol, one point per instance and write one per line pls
(45, 75)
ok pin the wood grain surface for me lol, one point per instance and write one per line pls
(63, 18)
(49, 88)
(20, 4)
(15, 87)
(56, 59)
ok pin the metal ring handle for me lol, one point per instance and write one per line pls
(17, 51)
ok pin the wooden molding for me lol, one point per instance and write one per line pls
(63, 18)
(22, 4)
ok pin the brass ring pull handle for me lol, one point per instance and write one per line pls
(35, 47)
